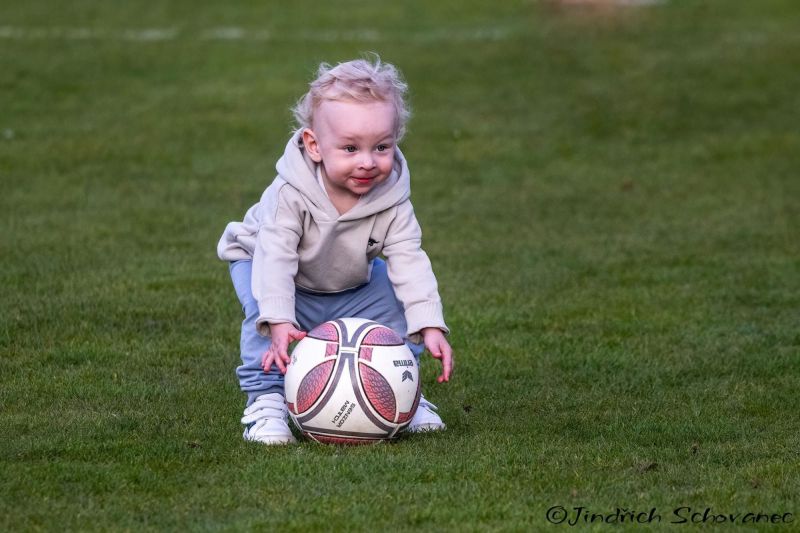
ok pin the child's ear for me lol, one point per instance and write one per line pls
(310, 142)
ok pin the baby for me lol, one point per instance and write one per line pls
(310, 250)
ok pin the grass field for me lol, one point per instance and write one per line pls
(610, 198)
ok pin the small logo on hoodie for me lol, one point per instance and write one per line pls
(372, 242)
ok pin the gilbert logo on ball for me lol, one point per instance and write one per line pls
(352, 381)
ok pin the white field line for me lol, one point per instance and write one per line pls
(621, 3)
(233, 33)
(84, 34)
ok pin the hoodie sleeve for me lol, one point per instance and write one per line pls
(238, 240)
(411, 274)
(275, 258)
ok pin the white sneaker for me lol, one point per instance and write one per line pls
(265, 421)
(425, 419)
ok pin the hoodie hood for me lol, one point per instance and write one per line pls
(297, 169)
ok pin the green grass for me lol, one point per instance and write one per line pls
(610, 200)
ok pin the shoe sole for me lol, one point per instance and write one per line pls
(274, 442)
(426, 428)
(271, 440)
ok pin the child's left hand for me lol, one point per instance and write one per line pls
(437, 344)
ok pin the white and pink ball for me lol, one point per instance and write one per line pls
(352, 381)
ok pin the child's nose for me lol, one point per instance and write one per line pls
(367, 161)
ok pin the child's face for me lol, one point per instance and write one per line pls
(354, 141)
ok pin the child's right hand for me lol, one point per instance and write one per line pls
(282, 335)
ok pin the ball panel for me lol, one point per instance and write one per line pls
(348, 441)
(325, 332)
(307, 354)
(382, 336)
(312, 386)
(399, 367)
(365, 353)
(404, 418)
(378, 392)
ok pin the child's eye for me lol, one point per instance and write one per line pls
(349, 149)
(382, 147)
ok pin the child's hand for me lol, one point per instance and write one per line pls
(282, 335)
(436, 343)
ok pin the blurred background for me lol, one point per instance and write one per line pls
(608, 192)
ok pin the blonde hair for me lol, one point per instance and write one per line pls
(359, 80)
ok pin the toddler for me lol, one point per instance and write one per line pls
(310, 250)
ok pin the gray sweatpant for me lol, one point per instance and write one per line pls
(374, 300)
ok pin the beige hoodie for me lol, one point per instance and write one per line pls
(296, 237)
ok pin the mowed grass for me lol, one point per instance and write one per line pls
(610, 198)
